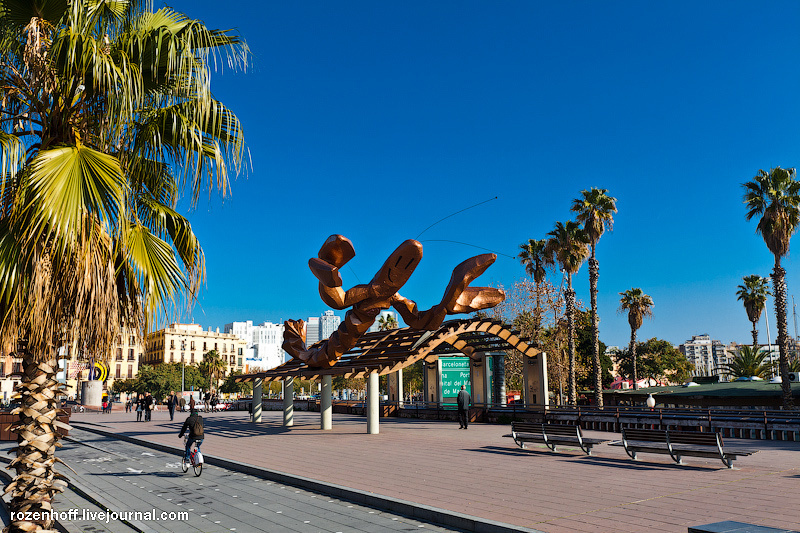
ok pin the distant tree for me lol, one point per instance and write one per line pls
(412, 378)
(657, 359)
(748, 362)
(775, 195)
(567, 244)
(214, 366)
(639, 306)
(387, 322)
(230, 386)
(536, 259)
(595, 210)
(753, 294)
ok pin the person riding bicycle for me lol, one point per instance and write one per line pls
(194, 426)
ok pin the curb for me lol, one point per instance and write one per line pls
(386, 503)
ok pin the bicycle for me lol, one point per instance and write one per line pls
(195, 458)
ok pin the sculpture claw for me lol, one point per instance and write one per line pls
(460, 298)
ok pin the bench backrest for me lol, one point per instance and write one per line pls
(687, 437)
(561, 430)
(526, 427)
(649, 435)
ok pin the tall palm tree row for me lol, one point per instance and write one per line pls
(639, 306)
(567, 244)
(534, 257)
(775, 196)
(595, 210)
(753, 294)
(107, 115)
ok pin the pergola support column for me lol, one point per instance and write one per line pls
(257, 401)
(478, 381)
(373, 403)
(325, 403)
(534, 374)
(288, 402)
(395, 385)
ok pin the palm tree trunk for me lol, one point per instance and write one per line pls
(755, 336)
(570, 303)
(37, 481)
(633, 357)
(594, 273)
(779, 285)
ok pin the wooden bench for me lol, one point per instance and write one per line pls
(678, 444)
(552, 435)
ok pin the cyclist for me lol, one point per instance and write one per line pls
(194, 426)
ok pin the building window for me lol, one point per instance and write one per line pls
(240, 353)
(131, 340)
(233, 360)
(119, 354)
(192, 358)
(119, 339)
(130, 371)
(171, 357)
(215, 345)
(119, 372)
(192, 344)
(16, 369)
(172, 344)
(130, 354)
(204, 347)
(240, 361)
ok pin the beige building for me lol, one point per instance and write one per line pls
(122, 362)
(188, 343)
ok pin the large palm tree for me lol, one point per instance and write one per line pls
(595, 210)
(214, 366)
(567, 245)
(534, 257)
(753, 294)
(775, 195)
(639, 306)
(106, 116)
(747, 363)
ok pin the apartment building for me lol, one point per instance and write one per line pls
(188, 343)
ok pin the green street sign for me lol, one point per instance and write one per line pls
(455, 372)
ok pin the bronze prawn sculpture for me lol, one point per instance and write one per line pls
(367, 300)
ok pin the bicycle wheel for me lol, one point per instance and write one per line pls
(184, 464)
(198, 469)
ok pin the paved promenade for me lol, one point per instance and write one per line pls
(478, 472)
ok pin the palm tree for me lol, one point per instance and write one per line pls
(748, 362)
(533, 255)
(567, 245)
(639, 306)
(107, 115)
(776, 196)
(595, 209)
(754, 294)
(386, 322)
(215, 366)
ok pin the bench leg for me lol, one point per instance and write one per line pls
(728, 461)
(678, 459)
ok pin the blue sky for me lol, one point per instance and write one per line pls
(376, 119)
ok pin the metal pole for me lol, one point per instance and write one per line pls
(373, 403)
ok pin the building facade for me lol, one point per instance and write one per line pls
(707, 355)
(188, 343)
(264, 343)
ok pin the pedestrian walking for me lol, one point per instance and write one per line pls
(172, 403)
(148, 407)
(183, 404)
(139, 407)
(191, 402)
(463, 407)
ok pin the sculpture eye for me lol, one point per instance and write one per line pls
(398, 260)
(409, 263)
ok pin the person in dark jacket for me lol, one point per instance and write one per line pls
(148, 407)
(463, 407)
(194, 426)
(172, 403)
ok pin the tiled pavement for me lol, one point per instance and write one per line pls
(478, 472)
